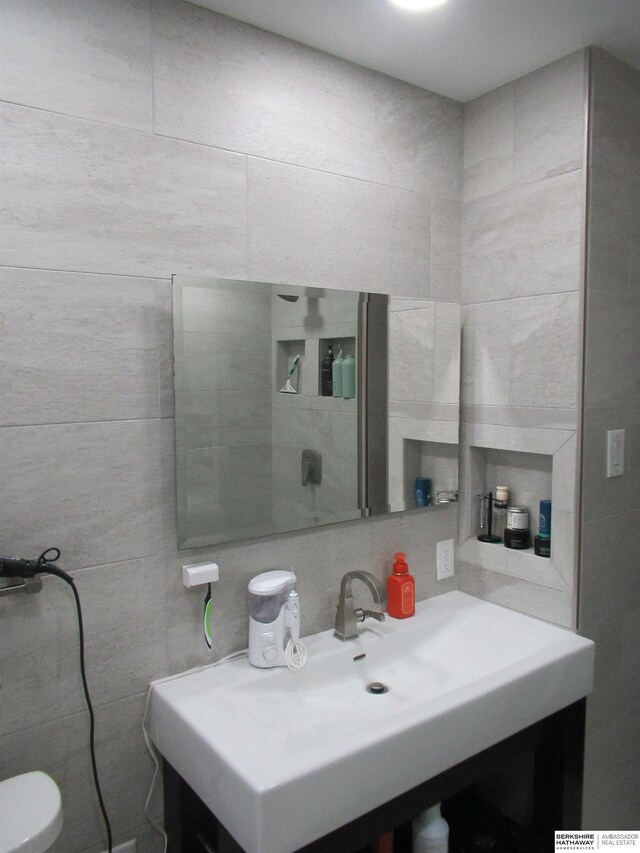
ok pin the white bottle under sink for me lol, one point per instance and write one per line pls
(30, 813)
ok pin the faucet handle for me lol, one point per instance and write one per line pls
(361, 615)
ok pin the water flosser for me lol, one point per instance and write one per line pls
(274, 615)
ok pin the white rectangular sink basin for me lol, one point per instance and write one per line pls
(282, 758)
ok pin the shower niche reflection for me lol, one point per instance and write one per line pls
(251, 408)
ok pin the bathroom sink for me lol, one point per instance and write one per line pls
(282, 758)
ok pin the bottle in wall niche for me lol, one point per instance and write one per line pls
(542, 542)
(500, 503)
(544, 527)
(423, 491)
(336, 369)
(516, 533)
(430, 832)
(401, 589)
(326, 373)
(349, 377)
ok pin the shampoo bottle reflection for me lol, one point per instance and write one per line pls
(401, 589)
(349, 377)
(326, 373)
(336, 368)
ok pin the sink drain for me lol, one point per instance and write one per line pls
(377, 687)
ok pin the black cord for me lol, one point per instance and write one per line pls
(46, 565)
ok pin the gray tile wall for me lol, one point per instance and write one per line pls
(106, 192)
(610, 556)
(522, 238)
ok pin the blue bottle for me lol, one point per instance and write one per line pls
(545, 519)
(542, 542)
(423, 491)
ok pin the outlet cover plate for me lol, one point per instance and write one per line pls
(615, 453)
(444, 559)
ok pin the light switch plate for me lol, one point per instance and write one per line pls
(615, 452)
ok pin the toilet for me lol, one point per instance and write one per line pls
(30, 813)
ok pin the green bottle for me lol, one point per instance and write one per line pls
(336, 369)
(349, 377)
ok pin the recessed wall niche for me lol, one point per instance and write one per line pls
(285, 352)
(420, 449)
(528, 476)
(436, 461)
(535, 464)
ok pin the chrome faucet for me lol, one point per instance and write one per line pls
(348, 616)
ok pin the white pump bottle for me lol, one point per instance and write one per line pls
(430, 832)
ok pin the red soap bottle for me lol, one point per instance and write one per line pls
(401, 589)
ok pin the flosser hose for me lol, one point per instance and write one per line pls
(295, 654)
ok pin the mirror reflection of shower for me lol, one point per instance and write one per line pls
(241, 429)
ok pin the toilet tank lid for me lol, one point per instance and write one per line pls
(30, 813)
(271, 583)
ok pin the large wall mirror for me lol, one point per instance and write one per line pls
(298, 406)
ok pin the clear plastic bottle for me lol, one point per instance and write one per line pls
(430, 832)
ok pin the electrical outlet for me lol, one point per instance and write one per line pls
(444, 559)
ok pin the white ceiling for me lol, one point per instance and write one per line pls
(462, 49)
